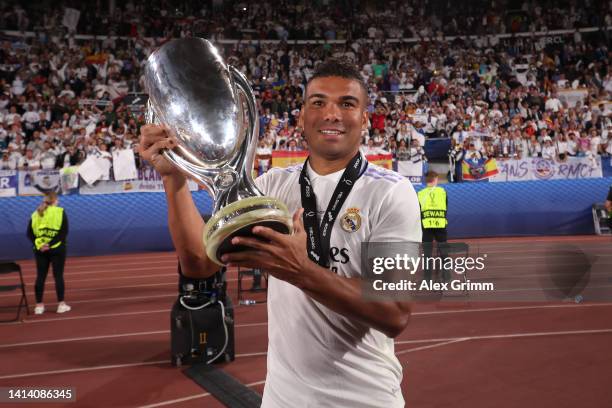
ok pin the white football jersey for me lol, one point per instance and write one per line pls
(317, 357)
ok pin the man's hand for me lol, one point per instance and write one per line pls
(44, 248)
(282, 256)
(153, 139)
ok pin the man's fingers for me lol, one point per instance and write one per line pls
(253, 243)
(269, 234)
(153, 152)
(298, 221)
(151, 134)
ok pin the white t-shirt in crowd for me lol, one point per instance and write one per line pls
(553, 104)
(549, 152)
(317, 357)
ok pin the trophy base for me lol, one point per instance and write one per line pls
(226, 246)
(238, 219)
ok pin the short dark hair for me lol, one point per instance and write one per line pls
(339, 67)
(431, 176)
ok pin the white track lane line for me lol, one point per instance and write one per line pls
(108, 336)
(163, 275)
(397, 353)
(73, 339)
(111, 258)
(92, 316)
(72, 290)
(77, 370)
(67, 276)
(428, 313)
(112, 278)
(509, 336)
(191, 397)
(500, 336)
(119, 299)
(103, 367)
(93, 265)
(510, 308)
(442, 343)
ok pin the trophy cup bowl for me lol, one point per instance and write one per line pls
(211, 110)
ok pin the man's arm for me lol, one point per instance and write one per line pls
(184, 221)
(285, 258)
(187, 229)
(344, 296)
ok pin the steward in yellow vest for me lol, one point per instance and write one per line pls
(434, 203)
(47, 230)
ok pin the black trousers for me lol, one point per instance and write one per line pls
(56, 258)
(429, 236)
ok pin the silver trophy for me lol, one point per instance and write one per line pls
(210, 108)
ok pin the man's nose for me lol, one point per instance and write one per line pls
(332, 113)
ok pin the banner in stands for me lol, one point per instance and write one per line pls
(414, 171)
(542, 169)
(69, 179)
(8, 183)
(572, 96)
(283, 158)
(38, 182)
(148, 181)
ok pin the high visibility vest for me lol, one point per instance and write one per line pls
(47, 226)
(433, 207)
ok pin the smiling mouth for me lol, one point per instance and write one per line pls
(331, 132)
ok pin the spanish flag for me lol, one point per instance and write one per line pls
(475, 170)
(382, 160)
(284, 158)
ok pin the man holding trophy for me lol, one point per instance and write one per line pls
(328, 345)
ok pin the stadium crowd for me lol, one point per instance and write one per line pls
(315, 19)
(64, 98)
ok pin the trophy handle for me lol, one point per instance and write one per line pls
(243, 161)
(202, 176)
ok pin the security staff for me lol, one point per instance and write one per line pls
(47, 230)
(433, 202)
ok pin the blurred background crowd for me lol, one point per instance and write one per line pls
(73, 86)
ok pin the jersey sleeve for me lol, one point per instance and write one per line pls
(399, 215)
(263, 182)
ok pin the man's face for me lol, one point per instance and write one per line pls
(333, 116)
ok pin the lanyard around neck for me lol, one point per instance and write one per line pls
(318, 237)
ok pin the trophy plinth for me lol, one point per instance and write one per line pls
(238, 219)
(210, 108)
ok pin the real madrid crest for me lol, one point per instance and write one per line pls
(351, 220)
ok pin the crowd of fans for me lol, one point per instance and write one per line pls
(62, 99)
(312, 19)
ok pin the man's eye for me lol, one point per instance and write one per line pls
(347, 105)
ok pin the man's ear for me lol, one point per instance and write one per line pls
(300, 121)
(365, 120)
